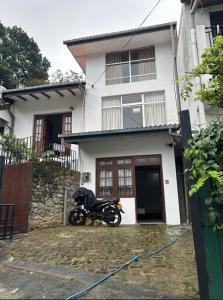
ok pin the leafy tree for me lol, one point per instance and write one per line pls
(58, 76)
(20, 58)
(212, 64)
(205, 150)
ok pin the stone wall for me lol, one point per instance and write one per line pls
(47, 203)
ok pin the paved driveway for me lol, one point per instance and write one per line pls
(96, 250)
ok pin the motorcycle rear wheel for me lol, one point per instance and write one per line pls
(77, 217)
(112, 217)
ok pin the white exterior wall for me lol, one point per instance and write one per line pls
(95, 66)
(130, 146)
(4, 114)
(187, 60)
(25, 111)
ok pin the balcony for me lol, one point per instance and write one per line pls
(212, 32)
(27, 149)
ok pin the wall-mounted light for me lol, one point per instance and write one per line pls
(172, 144)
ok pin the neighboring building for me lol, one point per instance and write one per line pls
(130, 113)
(201, 20)
(40, 113)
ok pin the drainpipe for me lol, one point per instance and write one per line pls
(83, 109)
(195, 51)
(13, 121)
(193, 33)
(12, 118)
(173, 40)
(11, 129)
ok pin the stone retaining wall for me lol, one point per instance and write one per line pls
(47, 203)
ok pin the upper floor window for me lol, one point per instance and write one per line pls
(134, 110)
(130, 66)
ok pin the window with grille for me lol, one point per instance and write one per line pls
(105, 182)
(38, 130)
(114, 177)
(67, 124)
(130, 66)
(125, 181)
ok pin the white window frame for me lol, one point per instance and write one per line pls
(129, 62)
(142, 104)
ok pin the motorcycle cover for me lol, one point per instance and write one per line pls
(88, 197)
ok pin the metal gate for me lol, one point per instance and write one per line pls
(213, 248)
(7, 215)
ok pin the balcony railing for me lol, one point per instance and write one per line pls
(28, 149)
(213, 31)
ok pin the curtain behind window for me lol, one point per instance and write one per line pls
(111, 113)
(143, 67)
(114, 71)
(155, 109)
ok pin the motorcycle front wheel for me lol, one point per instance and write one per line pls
(77, 217)
(112, 217)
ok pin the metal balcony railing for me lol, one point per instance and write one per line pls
(213, 31)
(30, 149)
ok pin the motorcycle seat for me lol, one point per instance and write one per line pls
(104, 201)
(101, 201)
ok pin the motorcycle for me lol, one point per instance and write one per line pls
(87, 206)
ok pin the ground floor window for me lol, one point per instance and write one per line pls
(116, 176)
(139, 177)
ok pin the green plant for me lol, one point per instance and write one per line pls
(15, 149)
(210, 92)
(205, 150)
(46, 156)
(33, 154)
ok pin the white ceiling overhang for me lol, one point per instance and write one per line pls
(82, 50)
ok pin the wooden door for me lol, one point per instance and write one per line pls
(39, 134)
(67, 128)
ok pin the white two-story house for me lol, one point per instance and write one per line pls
(129, 116)
(201, 21)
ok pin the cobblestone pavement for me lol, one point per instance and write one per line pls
(100, 249)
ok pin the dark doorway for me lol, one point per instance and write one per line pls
(53, 128)
(216, 20)
(48, 127)
(148, 194)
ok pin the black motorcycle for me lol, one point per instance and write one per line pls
(87, 206)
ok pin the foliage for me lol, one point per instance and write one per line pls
(20, 59)
(46, 156)
(205, 150)
(59, 77)
(212, 65)
(15, 149)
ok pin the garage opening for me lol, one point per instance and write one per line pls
(149, 194)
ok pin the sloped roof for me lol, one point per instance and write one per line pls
(76, 138)
(46, 90)
(117, 34)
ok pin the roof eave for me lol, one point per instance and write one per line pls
(77, 138)
(42, 88)
(108, 36)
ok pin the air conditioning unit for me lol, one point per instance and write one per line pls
(86, 176)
